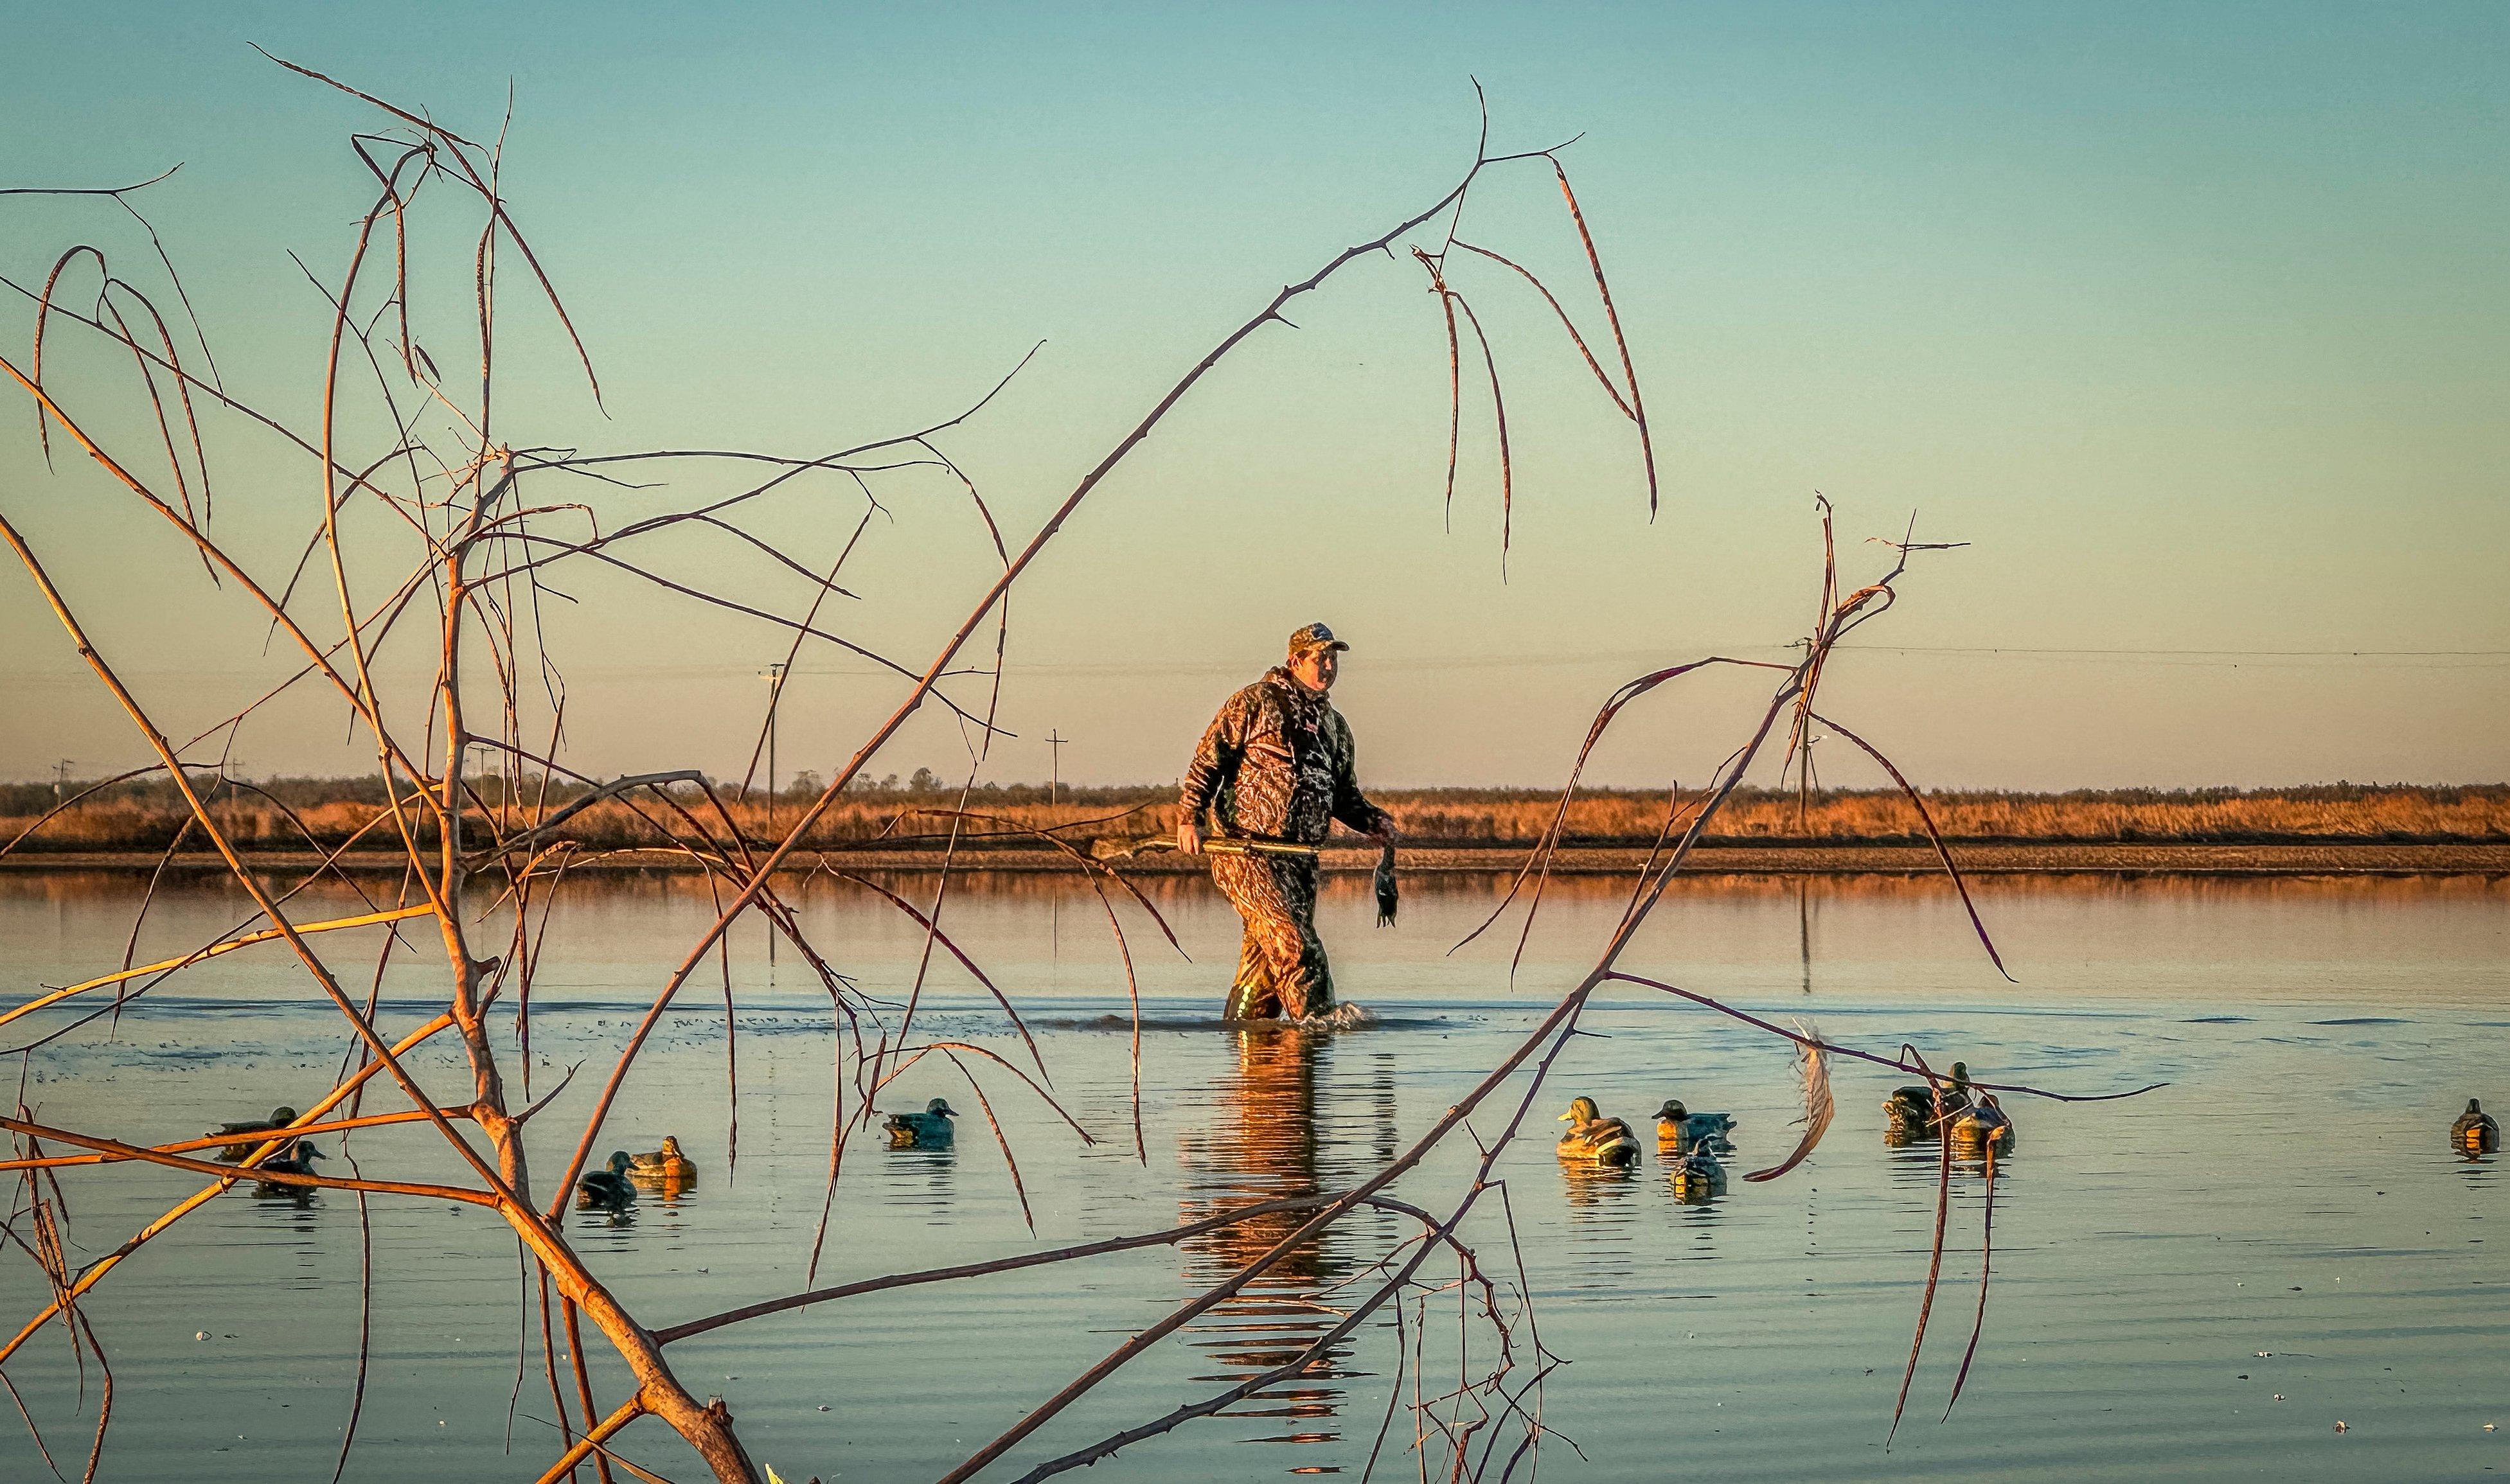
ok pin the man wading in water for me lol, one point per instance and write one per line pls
(1276, 765)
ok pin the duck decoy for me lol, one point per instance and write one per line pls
(1595, 1139)
(1679, 1130)
(297, 1158)
(1909, 1116)
(663, 1164)
(234, 1154)
(929, 1129)
(2475, 1133)
(608, 1190)
(1695, 1174)
(1983, 1125)
(1910, 1112)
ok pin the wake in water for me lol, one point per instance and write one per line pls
(1345, 1017)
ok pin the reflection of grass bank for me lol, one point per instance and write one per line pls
(1775, 858)
(304, 813)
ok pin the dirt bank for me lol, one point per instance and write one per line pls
(2032, 857)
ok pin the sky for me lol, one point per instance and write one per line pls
(2192, 322)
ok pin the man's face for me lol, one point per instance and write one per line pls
(1316, 667)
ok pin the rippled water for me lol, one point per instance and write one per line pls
(2290, 1192)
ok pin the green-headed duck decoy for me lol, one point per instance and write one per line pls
(1958, 1094)
(1595, 1139)
(929, 1129)
(2475, 1133)
(297, 1158)
(608, 1190)
(1679, 1130)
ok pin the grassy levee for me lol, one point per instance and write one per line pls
(301, 813)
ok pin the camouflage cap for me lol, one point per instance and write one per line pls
(1314, 636)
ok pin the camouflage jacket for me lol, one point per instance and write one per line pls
(1278, 762)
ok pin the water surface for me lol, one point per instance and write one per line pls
(2289, 1192)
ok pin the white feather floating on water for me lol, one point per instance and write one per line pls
(1812, 1072)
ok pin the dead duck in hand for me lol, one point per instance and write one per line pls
(1679, 1130)
(1982, 1126)
(1595, 1139)
(929, 1129)
(1695, 1174)
(608, 1190)
(2475, 1133)
(663, 1164)
(235, 1154)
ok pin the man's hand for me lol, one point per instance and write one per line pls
(1189, 838)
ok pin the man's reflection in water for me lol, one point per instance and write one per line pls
(1261, 1141)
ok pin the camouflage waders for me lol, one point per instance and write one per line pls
(1281, 968)
(1277, 763)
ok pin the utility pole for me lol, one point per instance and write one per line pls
(1055, 741)
(61, 777)
(773, 675)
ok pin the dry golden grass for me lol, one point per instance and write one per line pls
(328, 813)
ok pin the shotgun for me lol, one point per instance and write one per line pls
(1383, 878)
(1213, 845)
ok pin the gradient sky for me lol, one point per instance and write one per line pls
(2194, 321)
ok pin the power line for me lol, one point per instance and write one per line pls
(2287, 654)
(1400, 664)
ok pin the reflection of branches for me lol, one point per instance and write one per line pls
(96, 1271)
(1907, 1062)
(1557, 1028)
(210, 951)
(1935, 1252)
(1986, 1261)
